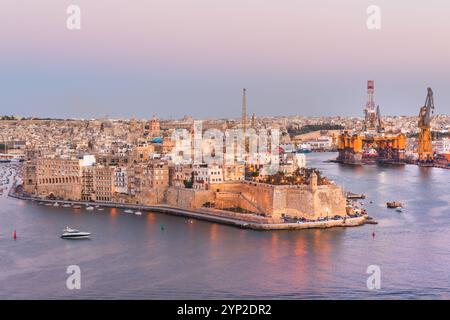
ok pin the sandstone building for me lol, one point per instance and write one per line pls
(57, 177)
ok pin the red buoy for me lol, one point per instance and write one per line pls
(14, 235)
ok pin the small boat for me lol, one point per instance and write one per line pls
(138, 213)
(48, 204)
(304, 148)
(90, 208)
(351, 195)
(394, 204)
(56, 204)
(76, 207)
(398, 210)
(100, 209)
(69, 233)
(66, 205)
(128, 211)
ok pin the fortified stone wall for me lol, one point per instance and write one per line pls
(226, 200)
(64, 191)
(259, 194)
(327, 200)
(308, 201)
(189, 198)
(151, 196)
(29, 178)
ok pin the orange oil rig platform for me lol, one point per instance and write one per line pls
(389, 147)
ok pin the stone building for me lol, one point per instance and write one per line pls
(103, 183)
(234, 171)
(87, 183)
(58, 178)
(120, 180)
(87, 177)
(135, 174)
(158, 174)
(29, 177)
(206, 174)
(111, 159)
(179, 173)
(155, 127)
(142, 153)
(167, 146)
(149, 182)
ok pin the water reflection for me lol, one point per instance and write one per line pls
(130, 258)
(426, 173)
(213, 232)
(300, 248)
(274, 249)
(113, 212)
(151, 217)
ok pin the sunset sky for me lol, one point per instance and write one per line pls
(175, 57)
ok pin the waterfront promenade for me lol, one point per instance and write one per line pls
(211, 215)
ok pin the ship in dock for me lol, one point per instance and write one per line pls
(304, 148)
(372, 145)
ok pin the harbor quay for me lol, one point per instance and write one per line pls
(215, 216)
(262, 206)
(313, 203)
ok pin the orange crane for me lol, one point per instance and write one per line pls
(425, 150)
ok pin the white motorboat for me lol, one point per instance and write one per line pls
(138, 213)
(128, 211)
(56, 204)
(69, 233)
(90, 208)
(66, 205)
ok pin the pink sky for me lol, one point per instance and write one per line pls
(320, 41)
(243, 34)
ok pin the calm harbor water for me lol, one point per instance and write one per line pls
(131, 256)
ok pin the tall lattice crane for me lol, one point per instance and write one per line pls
(425, 150)
(244, 110)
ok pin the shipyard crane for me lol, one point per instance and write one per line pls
(425, 149)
